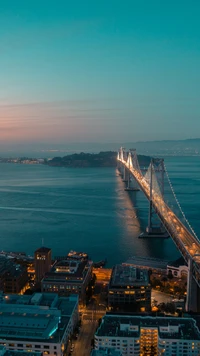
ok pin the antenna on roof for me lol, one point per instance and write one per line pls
(42, 242)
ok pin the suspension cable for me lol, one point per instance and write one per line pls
(181, 210)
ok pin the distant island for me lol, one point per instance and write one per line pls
(101, 159)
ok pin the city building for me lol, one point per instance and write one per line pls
(146, 335)
(106, 352)
(13, 277)
(68, 276)
(178, 268)
(16, 279)
(5, 352)
(129, 289)
(42, 322)
(42, 260)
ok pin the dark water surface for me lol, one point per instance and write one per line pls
(88, 209)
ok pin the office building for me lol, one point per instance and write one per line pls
(42, 259)
(129, 289)
(42, 322)
(68, 276)
(146, 335)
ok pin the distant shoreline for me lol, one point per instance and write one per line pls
(77, 160)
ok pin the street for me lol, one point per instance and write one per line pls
(83, 344)
(161, 297)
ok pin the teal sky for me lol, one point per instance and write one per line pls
(99, 71)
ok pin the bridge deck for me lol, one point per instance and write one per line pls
(187, 244)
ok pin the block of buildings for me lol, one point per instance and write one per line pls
(146, 335)
(129, 289)
(68, 276)
(42, 322)
(42, 261)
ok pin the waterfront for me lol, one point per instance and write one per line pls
(87, 209)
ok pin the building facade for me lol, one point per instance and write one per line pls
(13, 277)
(129, 289)
(42, 322)
(146, 335)
(16, 279)
(4, 352)
(42, 261)
(68, 276)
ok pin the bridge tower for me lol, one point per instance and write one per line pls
(120, 165)
(193, 290)
(125, 172)
(128, 176)
(156, 167)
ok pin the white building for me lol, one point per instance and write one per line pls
(138, 335)
(41, 322)
(177, 271)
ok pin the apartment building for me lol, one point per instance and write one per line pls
(146, 335)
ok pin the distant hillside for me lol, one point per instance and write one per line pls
(187, 147)
(101, 159)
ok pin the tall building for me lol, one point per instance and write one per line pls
(42, 259)
(129, 289)
(146, 335)
(41, 322)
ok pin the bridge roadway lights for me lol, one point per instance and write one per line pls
(193, 291)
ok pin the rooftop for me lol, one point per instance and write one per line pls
(144, 262)
(8, 267)
(69, 270)
(123, 276)
(130, 326)
(43, 249)
(41, 316)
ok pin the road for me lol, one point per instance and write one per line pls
(83, 344)
(161, 297)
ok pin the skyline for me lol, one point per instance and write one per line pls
(102, 72)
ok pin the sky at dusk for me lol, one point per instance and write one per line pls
(99, 71)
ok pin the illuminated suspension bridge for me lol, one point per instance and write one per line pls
(184, 237)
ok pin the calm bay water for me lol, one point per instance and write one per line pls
(88, 209)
